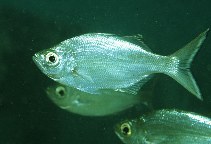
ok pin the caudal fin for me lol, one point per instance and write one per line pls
(185, 57)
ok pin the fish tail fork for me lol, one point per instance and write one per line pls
(183, 58)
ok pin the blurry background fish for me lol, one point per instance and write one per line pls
(166, 126)
(105, 103)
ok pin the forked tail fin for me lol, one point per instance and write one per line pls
(185, 56)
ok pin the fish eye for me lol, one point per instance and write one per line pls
(52, 58)
(125, 129)
(60, 91)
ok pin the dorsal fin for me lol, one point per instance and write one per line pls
(138, 40)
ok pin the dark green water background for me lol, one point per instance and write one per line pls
(27, 116)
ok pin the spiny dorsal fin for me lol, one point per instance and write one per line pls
(136, 39)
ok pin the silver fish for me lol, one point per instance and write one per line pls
(95, 61)
(82, 103)
(166, 127)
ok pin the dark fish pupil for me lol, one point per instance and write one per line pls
(61, 92)
(125, 130)
(52, 59)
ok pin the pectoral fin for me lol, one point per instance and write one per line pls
(82, 75)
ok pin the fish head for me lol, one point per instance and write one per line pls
(61, 95)
(128, 132)
(68, 97)
(55, 62)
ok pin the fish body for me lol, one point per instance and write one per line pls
(83, 103)
(166, 127)
(96, 61)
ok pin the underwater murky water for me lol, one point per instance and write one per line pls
(27, 116)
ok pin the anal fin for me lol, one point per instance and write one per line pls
(134, 89)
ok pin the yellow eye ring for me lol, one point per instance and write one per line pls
(125, 129)
(52, 59)
(60, 91)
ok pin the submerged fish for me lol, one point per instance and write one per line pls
(79, 102)
(95, 61)
(166, 127)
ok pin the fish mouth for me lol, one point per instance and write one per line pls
(116, 129)
(35, 59)
(38, 61)
(119, 135)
